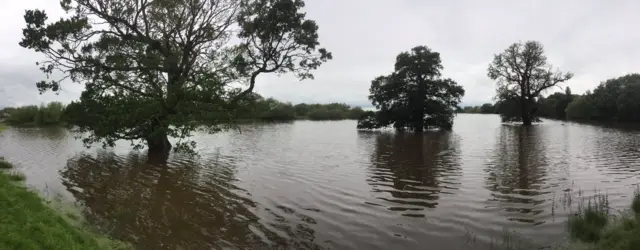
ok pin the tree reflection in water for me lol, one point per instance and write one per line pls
(516, 173)
(184, 204)
(414, 169)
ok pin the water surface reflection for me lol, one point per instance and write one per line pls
(185, 204)
(414, 170)
(313, 185)
(517, 173)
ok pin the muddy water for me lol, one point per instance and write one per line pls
(324, 185)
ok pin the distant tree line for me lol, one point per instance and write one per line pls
(33, 115)
(256, 107)
(616, 99)
(486, 108)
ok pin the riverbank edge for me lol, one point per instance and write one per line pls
(29, 221)
(3, 127)
(593, 226)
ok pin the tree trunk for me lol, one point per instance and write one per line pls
(526, 114)
(159, 143)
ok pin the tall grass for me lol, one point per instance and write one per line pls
(594, 223)
(592, 216)
(592, 226)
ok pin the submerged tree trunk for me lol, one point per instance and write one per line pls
(526, 113)
(159, 143)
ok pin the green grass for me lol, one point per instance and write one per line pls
(3, 127)
(15, 176)
(592, 227)
(28, 222)
(602, 230)
(589, 221)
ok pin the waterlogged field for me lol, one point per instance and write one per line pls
(324, 185)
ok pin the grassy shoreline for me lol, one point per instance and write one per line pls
(593, 226)
(27, 221)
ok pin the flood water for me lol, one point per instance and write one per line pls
(324, 185)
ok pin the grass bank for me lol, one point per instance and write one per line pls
(28, 222)
(602, 228)
(3, 127)
(593, 226)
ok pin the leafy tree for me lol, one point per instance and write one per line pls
(159, 69)
(355, 113)
(581, 108)
(414, 96)
(616, 99)
(555, 105)
(302, 109)
(486, 108)
(522, 73)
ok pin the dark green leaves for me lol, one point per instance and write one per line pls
(413, 97)
(277, 38)
(159, 68)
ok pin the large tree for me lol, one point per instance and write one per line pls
(415, 96)
(154, 69)
(522, 73)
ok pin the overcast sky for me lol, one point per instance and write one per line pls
(596, 40)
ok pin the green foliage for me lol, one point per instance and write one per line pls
(594, 225)
(163, 68)
(581, 108)
(523, 74)
(279, 112)
(486, 108)
(51, 114)
(28, 223)
(3, 127)
(413, 97)
(616, 99)
(257, 107)
(555, 105)
(15, 176)
(635, 202)
(590, 219)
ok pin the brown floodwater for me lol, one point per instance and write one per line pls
(324, 185)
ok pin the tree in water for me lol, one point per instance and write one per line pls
(522, 73)
(154, 69)
(413, 97)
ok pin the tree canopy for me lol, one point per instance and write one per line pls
(523, 74)
(616, 99)
(154, 69)
(415, 96)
